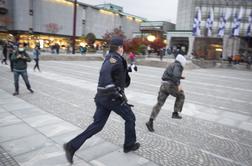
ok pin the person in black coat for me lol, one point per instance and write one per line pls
(5, 52)
(110, 96)
(20, 59)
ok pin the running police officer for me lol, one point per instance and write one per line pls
(110, 96)
(170, 86)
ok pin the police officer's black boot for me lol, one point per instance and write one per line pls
(175, 115)
(133, 147)
(69, 152)
(149, 125)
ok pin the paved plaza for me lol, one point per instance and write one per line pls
(216, 129)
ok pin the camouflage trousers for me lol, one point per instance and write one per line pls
(165, 90)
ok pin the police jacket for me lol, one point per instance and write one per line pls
(173, 73)
(21, 62)
(114, 72)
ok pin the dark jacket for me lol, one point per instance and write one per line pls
(173, 73)
(114, 71)
(20, 63)
(5, 50)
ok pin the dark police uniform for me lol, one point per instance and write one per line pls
(110, 97)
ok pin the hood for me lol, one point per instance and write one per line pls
(181, 59)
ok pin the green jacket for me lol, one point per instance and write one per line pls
(20, 63)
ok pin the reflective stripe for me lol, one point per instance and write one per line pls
(107, 87)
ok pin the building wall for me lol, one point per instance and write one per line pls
(187, 10)
(100, 23)
(20, 15)
(52, 12)
(185, 14)
(45, 12)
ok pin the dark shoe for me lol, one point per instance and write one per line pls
(31, 90)
(175, 115)
(131, 148)
(149, 126)
(15, 94)
(69, 153)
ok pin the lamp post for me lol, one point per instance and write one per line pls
(74, 26)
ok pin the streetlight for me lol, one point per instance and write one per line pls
(74, 26)
(151, 38)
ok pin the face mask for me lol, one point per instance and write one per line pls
(21, 49)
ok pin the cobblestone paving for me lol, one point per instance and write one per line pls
(191, 141)
(6, 159)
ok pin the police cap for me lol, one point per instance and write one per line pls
(116, 41)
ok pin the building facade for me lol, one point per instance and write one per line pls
(158, 29)
(187, 11)
(51, 21)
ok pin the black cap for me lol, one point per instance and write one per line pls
(116, 41)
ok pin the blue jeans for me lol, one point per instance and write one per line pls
(24, 75)
(104, 106)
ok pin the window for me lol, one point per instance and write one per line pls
(31, 12)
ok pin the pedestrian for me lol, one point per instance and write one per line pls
(109, 97)
(170, 86)
(57, 48)
(132, 58)
(5, 52)
(20, 59)
(36, 54)
(11, 50)
(249, 61)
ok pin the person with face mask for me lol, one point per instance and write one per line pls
(20, 59)
(170, 86)
(109, 97)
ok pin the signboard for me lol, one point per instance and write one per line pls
(53, 28)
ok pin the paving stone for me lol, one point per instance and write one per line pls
(235, 116)
(246, 126)
(97, 151)
(26, 144)
(7, 119)
(229, 122)
(63, 138)
(42, 120)
(49, 155)
(2, 110)
(15, 131)
(57, 129)
(207, 116)
(7, 101)
(28, 112)
(19, 106)
(119, 158)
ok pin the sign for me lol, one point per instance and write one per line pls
(53, 27)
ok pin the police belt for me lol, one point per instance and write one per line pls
(107, 90)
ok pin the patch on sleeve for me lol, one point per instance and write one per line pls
(112, 60)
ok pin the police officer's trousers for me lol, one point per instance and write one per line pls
(165, 90)
(104, 106)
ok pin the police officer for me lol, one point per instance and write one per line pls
(110, 96)
(170, 86)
